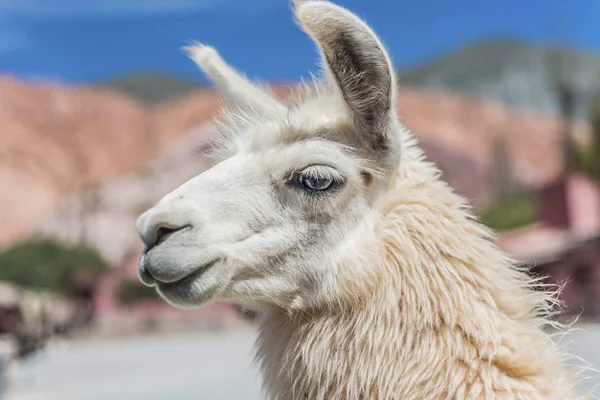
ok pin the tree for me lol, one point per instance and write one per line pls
(46, 264)
(513, 209)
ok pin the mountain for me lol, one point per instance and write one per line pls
(153, 88)
(517, 74)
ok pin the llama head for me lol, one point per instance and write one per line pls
(293, 185)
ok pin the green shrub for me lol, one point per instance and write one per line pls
(131, 291)
(47, 264)
(510, 211)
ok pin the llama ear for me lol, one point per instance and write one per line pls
(236, 88)
(358, 64)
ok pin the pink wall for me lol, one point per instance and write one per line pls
(584, 205)
(104, 301)
(573, 203)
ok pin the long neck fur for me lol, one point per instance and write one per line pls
(439, 312)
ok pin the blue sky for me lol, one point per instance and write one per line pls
(82, 41)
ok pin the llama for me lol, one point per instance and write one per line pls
(371, 277)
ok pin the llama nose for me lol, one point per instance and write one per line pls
(154, 229)
(159, 233)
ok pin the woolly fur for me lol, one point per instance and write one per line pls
(433, 310)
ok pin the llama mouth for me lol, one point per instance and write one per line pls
(188, 279)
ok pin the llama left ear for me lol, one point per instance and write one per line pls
(236, 88)
(358, 63)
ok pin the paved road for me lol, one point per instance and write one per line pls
(184, 367)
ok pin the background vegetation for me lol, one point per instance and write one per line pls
(47, 264)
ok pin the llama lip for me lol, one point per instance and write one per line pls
(145, 276)
(188, 279)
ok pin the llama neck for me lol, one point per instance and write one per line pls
(445, 315)
(375, 352)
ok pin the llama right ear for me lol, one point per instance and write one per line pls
(236, 88)
(358, 64)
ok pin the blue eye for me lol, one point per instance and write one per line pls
(317, 179)
(316, 183)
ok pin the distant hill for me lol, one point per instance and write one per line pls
(514, 73)
(153, 88)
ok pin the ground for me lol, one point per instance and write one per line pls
(174, 367)
(215, 366)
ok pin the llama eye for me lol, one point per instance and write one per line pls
(317, 178)
(317, 183)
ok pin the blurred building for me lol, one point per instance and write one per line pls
(565, 243)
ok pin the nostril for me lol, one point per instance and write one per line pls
(163, 232)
